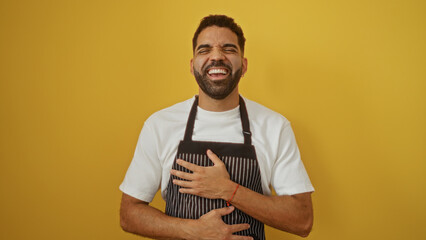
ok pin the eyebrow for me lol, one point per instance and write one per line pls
(224, 45)
(230, 45)
(203, 46)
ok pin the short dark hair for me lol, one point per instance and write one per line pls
(220, 21)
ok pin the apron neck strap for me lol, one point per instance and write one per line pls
(244, 122)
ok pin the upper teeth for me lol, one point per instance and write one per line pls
(217, 70)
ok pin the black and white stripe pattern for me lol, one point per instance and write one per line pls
(244, 171)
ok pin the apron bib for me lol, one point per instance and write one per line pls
(240, 161)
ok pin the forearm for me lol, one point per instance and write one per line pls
(292, 214)
(139, 218)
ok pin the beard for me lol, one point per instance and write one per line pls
(218, 89)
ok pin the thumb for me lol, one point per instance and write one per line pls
(225, 211)
(215, 159)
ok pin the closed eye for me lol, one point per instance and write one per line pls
(204, 50)
(230, 50)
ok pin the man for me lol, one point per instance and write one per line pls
(215, 156)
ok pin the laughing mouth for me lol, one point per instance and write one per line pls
(217, 72)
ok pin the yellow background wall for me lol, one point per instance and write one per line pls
(78, 79)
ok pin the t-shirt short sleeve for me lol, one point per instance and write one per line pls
(143, 176)
(289, 175)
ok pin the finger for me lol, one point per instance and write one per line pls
(188, 191)
(237, 237)
(183, 175)
(186, 184)
(215, 159)
(239, 227)
(187, 165)
(225, 211)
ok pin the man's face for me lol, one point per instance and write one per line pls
(218, 63)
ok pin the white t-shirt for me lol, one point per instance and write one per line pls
(275, 145)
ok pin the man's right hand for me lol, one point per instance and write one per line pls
(138, 217)
(211, 226)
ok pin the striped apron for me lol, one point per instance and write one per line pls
(241, 162)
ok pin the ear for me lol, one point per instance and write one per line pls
(244, 66)
(191, 64)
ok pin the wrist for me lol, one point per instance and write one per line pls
(229, 190)
(188, 226)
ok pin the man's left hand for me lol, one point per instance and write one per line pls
(209, 182)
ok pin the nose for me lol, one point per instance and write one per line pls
(217, 54)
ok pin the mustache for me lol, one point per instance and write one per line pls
(218, 64)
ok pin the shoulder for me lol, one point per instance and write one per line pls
(263, 115)
(173, 114)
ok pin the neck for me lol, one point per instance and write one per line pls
(210, 104)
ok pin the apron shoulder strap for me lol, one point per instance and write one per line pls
(244, 121)
(191, 120)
